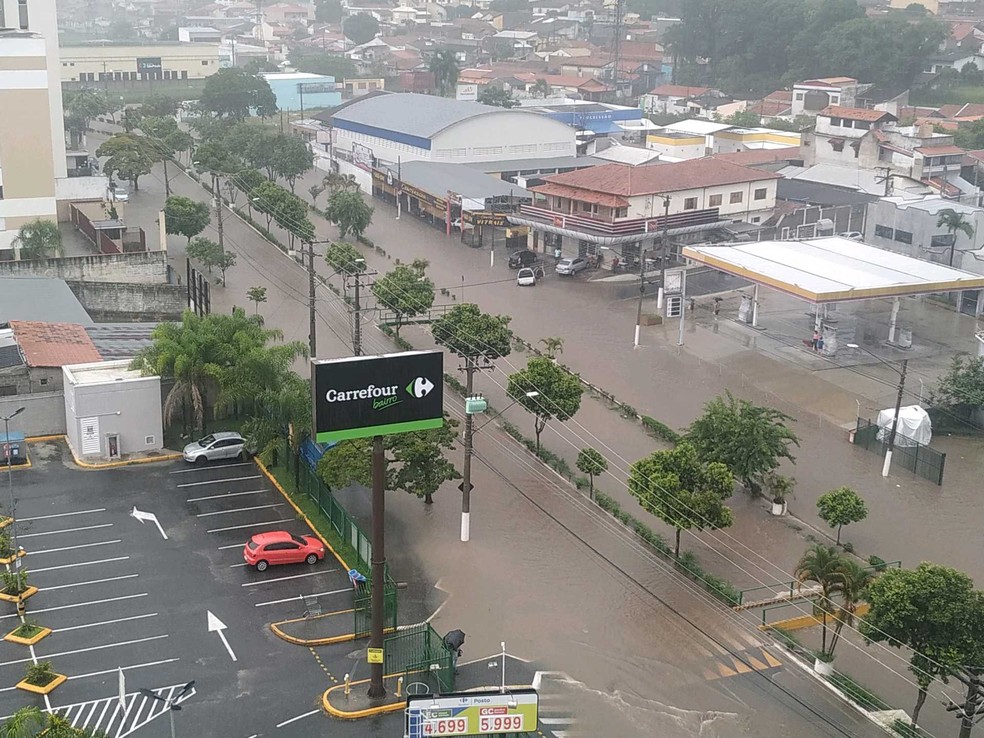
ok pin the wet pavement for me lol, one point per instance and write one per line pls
(530, 581)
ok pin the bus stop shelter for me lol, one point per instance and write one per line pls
(822, 271)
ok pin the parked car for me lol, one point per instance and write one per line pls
(526, 277)
(571, 267)
(120, 194)
(524, 258)
(853, 235)
(216, 446)
(280, 547)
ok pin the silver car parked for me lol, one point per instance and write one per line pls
(216, 446)
(571, 267)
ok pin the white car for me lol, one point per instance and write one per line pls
(571, 267)
(853, 235)
(120, 194)
(526, 277)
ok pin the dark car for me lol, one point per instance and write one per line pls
(524, 258)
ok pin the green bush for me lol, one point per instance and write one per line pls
(628, 411)
(907, 730)
(862, 695)
(877, 563)
(661, 430)
(452, 382)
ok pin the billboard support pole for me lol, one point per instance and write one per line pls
(377, 689)
(468, 444)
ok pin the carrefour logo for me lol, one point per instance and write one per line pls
(382, 397)
(420, 387)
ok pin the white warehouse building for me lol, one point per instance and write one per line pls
(396, 127)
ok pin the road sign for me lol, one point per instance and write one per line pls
(365, 396)
(375, 656)
(472, 713)
(674, 306)
(461, 486)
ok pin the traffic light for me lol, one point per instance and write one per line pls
(674, 306)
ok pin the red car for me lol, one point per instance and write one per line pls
(281, 547)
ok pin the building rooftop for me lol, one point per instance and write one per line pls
(100, 372)
(40, 298)
(439, 177)
(534, 165)
(827, 82)
(758, 157)
(628, 181)
(698, 127)
(414, 115)
(120, 340)
(289, 76)
(816, 193)
(678, 91)
(871, 116)
(53, 344)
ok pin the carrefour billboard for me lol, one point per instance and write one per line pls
(365, 396)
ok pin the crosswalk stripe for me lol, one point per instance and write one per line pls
(556, 721)
(97, 715)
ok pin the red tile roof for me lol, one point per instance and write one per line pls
(770, 108)
(872, 116)
(828, 82)
(575, 193)
(939, 150)
(678, 91)
(54, 344)
(629, 181)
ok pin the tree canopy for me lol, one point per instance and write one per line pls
(129, 156)
(328, 11)
(683, 491)
(751, 440)
(235, 93)
(291, 158)
(841, 507)
(39, 239)
(444, 67)
(344, 258)
(360, 28)
(591, 462)
(497, 97)
(960, 392)
(185, 217)
(468, 332)
(405, 291)
(545, 390)
(349, 211)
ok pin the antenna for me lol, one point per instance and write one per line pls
(617, 7)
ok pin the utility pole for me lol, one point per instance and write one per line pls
(357, 320)
(217, 200)
(895, 425)
(312, 289)
(665, 238)
(377, 688)
(972, 709)
(887, 179)
(470, 368)
(642, 270)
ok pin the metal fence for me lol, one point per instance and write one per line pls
(419, 654)
(921, 460)
(363, 607)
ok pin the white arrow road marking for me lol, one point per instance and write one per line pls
(217, 626)
(144, 516)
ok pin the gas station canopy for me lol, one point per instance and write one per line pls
(833, 269)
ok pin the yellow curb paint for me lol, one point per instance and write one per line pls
(108, 464)
(316, 617)
(357, 714)
(46, 689)
(42, 439)
(320, 641)
(29, 592)
(43, 633)
(300, 512)
(26, 465)
(808, 621)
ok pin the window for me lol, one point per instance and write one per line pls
(714, 201)
(756, 220)
(6, 390)
(835, 121)
(736, 197)
(882, 231)
(690, 203)
(862, 125)
(22, 13)
(184, 75)
(204, 62)
(799, 96)
(837, 144)
(903, 236)
(621, 212)
(761, 193)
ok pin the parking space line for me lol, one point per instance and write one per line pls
(115, 670)
(75, 548)
(218, 481)
(227, 494)
(80, 563)
(94, 581)
(65, 530)
(238, 510)
(208, 468)
(233, 566)
(80, 604)
(234, 545)
(284, 579)
(293, 599)
(105, 622)
(250, 525)
(85, 650)
(61, 515)
(299, 717)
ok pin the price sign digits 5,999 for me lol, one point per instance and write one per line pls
(501, 724)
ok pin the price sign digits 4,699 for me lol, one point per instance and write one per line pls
(449, 726)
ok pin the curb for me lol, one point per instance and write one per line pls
(357, 714)
(283, 492)
(346, 638)
(108, 464)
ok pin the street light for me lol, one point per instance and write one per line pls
(10, 477)
(170, 703)
(898, 402)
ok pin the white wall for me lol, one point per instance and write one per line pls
(749, 207)
(678, 151)
(509, 134)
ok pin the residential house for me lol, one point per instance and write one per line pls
(891, 100)
(512, 44)
(577, 88)
(776, 105)
(598, 67)
(42, 349)
(289, 13)
(669, 99)
(814, 95)
(622, 207)
(753, 139)
(956, 59)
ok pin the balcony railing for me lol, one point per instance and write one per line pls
(618, 227)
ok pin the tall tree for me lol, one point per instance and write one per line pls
(344, 258)
(268, 197)
(236, 94)
(292, 157)
(281, 414)
(683, 491)
(960, 392)
(546, 391)
(497, 97)
(954, 223)
(39, 239)
(822, 565)
(185, 217)
(591, 462)
(852, 585)
(405, 291)
(841, 507)
(349, 211)
(205, 251)
(932, 611)
(444, 66)
(80, 107)
(540, 88)
(128, 156)
(360, 28)
(468, 332)
(418, 464)
(751, 440)
(159, 104)
(552, 345)
(328, 11)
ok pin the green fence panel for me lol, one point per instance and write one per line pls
(924, 461)
(419, 654)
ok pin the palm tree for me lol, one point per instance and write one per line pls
(552, 345)
(39, 239)
(444, 66)
(822, 565)
(30, 722)
(852, 580)
(953, 222)
(282, 413)
(540, 88)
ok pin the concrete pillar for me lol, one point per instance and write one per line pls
(755, 306)
(894, 319)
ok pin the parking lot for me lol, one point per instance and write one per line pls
(118, 594)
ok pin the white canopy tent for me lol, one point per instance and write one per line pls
(833, 269)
